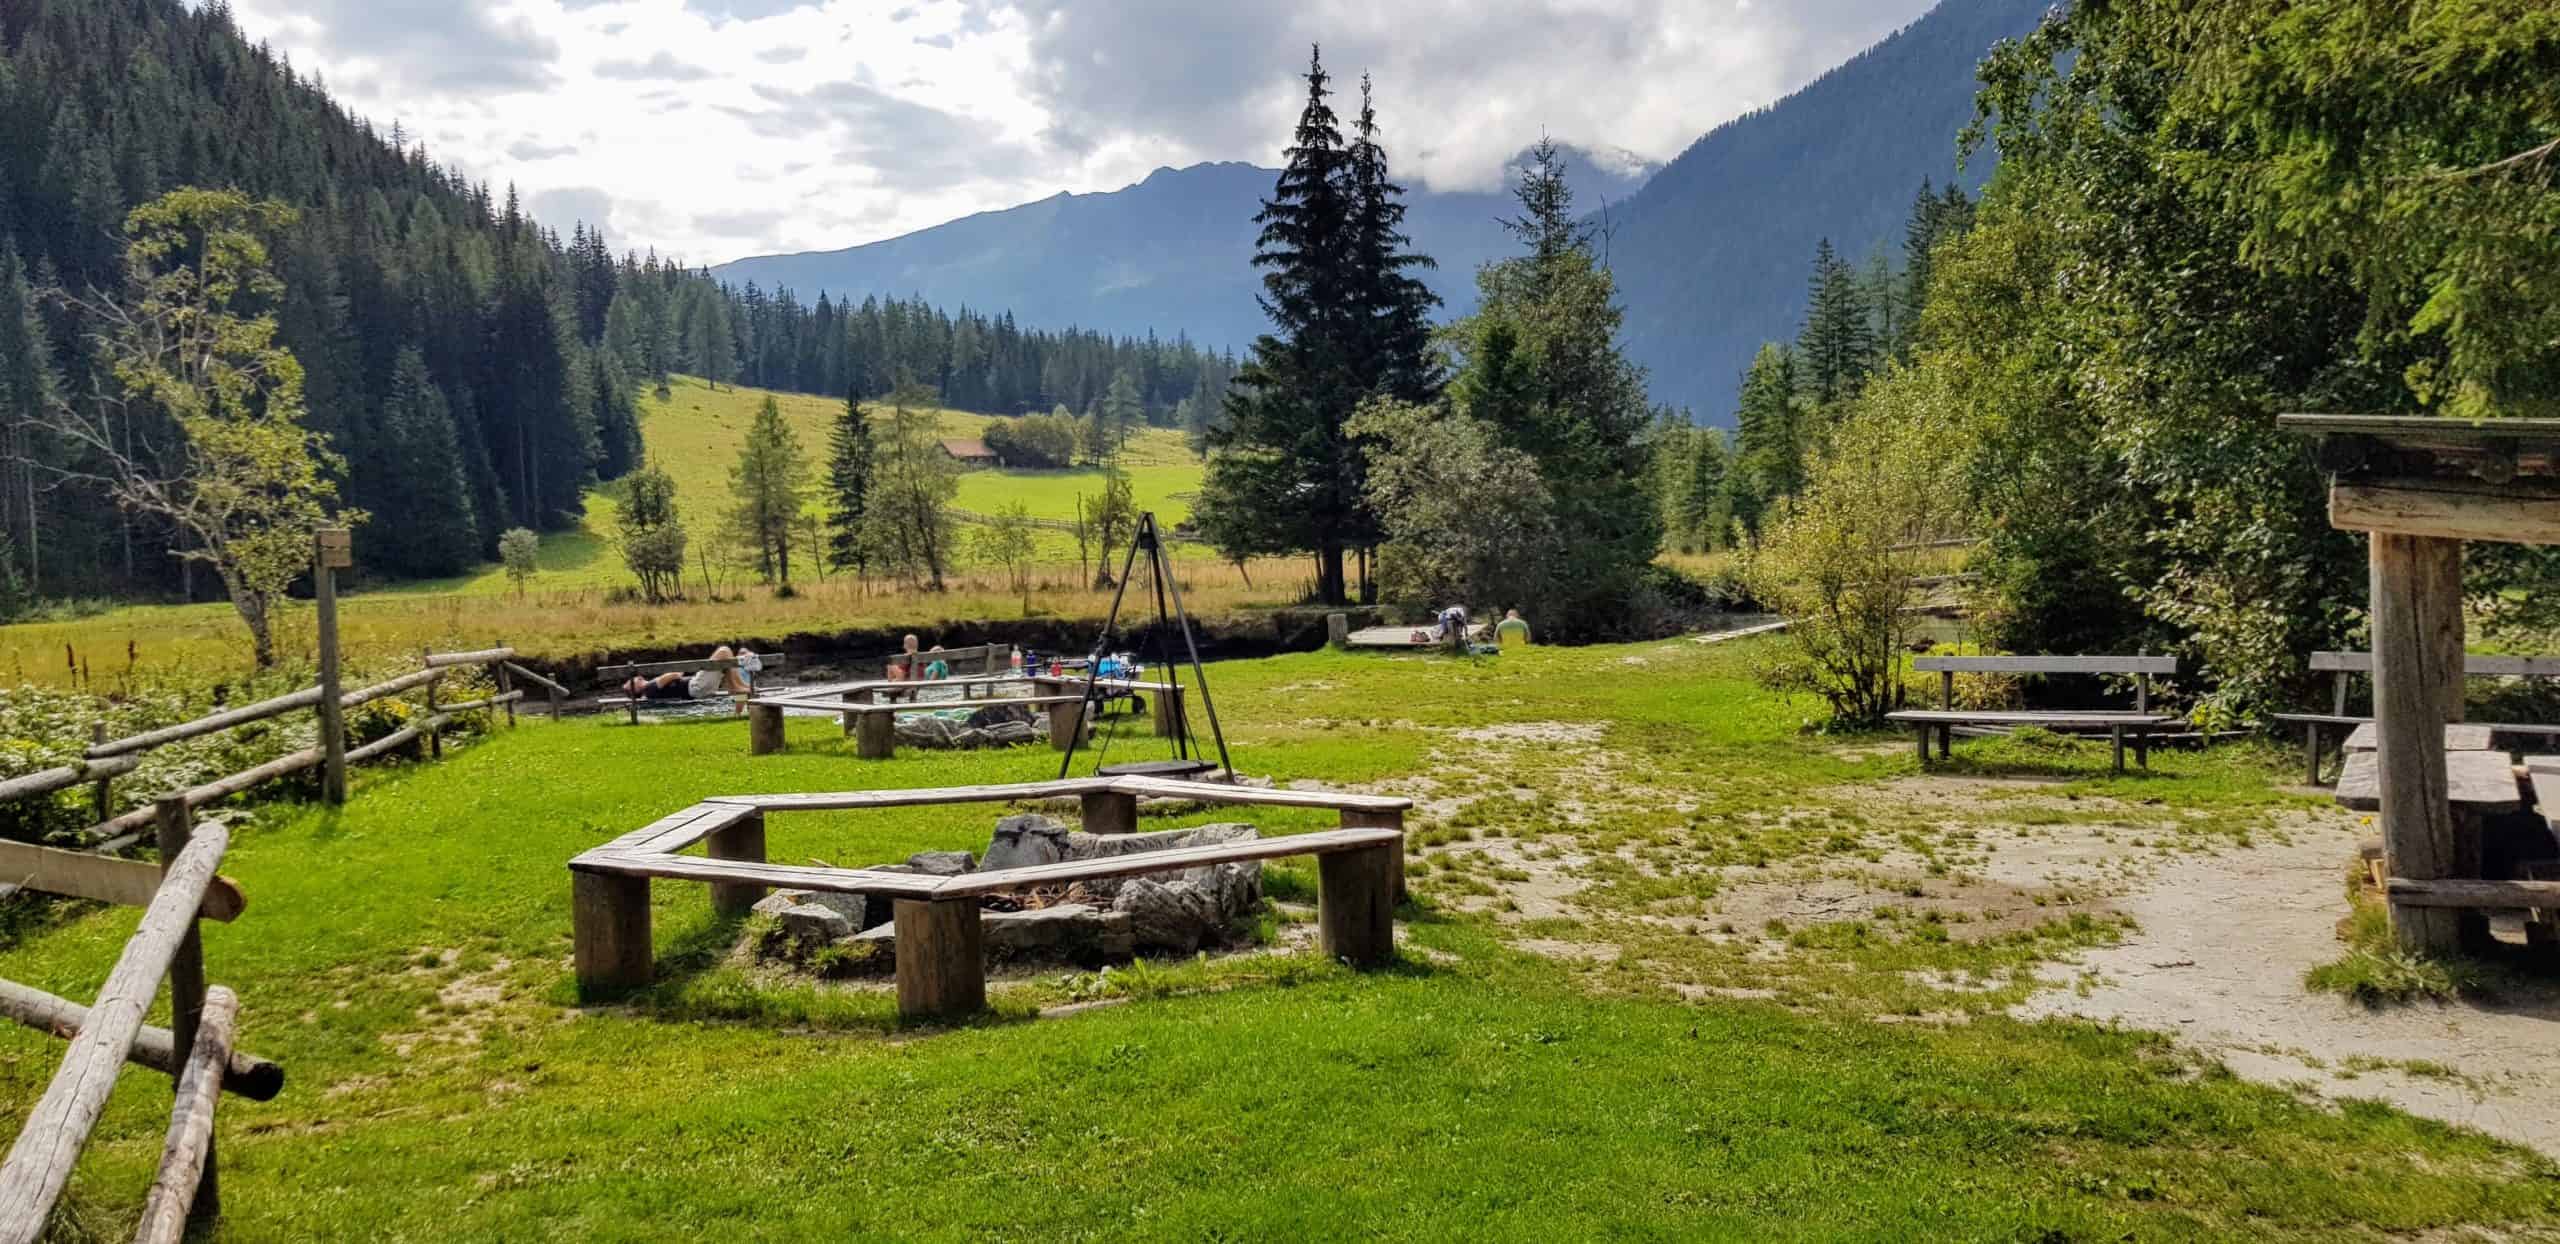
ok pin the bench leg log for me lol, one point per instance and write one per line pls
(1110, 812)
(1065, 720)
(2115, 735)
(875, 736)
(1356, 904)
(1166, 713)
(742, 840)
(609, 921)
(2311, 753)
(1947, 741)
(764, 729)
(1391, 818)
(942, 973)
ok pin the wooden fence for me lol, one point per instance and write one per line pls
(109, 759)
(196, 1050)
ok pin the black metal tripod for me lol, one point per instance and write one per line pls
(1160, 573)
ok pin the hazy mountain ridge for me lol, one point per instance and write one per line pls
(1171, 254)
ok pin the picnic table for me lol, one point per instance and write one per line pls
(2477, 782)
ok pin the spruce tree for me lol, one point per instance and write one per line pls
(1287, 478)
(27, 385)
(850, 451)
(1768, 443)
(1393, 306)
(415, 465)
(1838, 340)
(767, 488)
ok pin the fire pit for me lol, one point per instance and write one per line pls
(1087, 922)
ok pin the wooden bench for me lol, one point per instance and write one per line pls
(872, 722)
(614, 676)
(981, 658)
(2343, 667)
(2139, 724)
(941, 970)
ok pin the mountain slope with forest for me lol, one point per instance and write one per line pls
(1711, 255)
(1710, 251)
(1173, 253)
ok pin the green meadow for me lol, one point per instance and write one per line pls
(1621, 1066)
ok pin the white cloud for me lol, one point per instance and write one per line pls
(711, 129)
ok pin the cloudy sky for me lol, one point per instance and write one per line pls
(712, 129)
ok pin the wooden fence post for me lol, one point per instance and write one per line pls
(330, 552)
(431, 739)
(101, 802)
(506, 686)
(186, 991)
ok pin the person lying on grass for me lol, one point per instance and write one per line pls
(699, 685)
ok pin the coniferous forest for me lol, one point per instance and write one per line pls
(475, 371)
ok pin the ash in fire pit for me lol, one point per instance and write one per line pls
(1087, 923)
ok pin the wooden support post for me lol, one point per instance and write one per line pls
(875, 735)
(1946, 740)
(609, 925)
(1355, 904)
(2417, 624)
(183, 1196)
(848, 720)
(764, 729)
(743, 839)
(1947, 689)
(1922, 729)
(1337, 631)
(1065, 721)
(186, 989)
(329, 552)
(942, 972)
(1110, 812)
(1389, 818)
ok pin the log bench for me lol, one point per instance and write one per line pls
(940, 968)
(613, 676)
(2343, 667)
(2139, 724)
(870, 718)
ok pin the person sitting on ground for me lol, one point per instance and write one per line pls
(1512, 632)
(699, 685)
(939, 669)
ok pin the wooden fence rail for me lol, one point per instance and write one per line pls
(48, 1145)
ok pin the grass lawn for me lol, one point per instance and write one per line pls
(406, 958)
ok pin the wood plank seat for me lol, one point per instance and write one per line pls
(940, 969)
(2138, 726)
(614, 676)
(869, 715)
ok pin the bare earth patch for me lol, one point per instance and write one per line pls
(2219, 959)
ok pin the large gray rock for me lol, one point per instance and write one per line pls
(1166, 917)
(1013, 734)
(942, 863)
(1069, 931)
(811, 925)
(1025, 841)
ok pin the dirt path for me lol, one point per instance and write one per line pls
(2219, 959)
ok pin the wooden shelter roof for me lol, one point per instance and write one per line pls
(2422, 475)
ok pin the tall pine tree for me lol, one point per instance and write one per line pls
(850, 452)
(414, 469)
(1838, 341)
